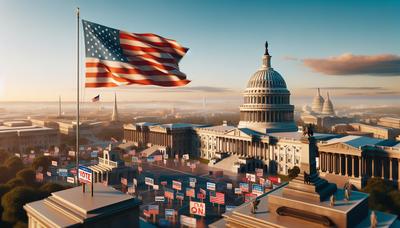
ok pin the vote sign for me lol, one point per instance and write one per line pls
(85, 174)
(197, 208)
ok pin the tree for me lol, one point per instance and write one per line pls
(28, 176)
(4, 174)
(15, 182)
(49, 187)
(20, 225)
(3, 156)
(381, 196)
(13, 202)
(14, 164)
(293, 172)
(41, 161)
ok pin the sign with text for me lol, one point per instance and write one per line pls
(251, 177)
(188, 221)
(211, 186)
(85, 174)
(159, 198)
(149, 181)
(197, 208)
(71, 180)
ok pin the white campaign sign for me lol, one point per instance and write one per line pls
(197, 208)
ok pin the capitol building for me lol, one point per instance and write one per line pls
(266, 136)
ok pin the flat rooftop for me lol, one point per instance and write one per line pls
(72, 206)
(264, 218)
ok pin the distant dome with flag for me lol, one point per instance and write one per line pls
(266, 107)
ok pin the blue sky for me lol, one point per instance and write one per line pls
(225, 38)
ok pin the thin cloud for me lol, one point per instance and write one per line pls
(350, 88)
(376, 93)
(207, 89)
(290, 58)
(349, 64)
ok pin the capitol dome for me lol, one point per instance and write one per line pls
(327, 108)
(266, 107)
(317, 103)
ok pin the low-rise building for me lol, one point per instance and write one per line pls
(74, 208)
(359, 158)
(389, 122)
(20, 136)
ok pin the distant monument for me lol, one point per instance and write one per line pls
(114, 116)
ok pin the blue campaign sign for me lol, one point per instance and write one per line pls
(211, 186)
(63, 172)
(169, 212)
(229, 207)
(150, 159)
(84, 174)
(257, 189)
(94, 154)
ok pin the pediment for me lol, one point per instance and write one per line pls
(238, 133)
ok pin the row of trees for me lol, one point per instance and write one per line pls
(18, 186)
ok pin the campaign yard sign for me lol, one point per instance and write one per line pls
(85, 174)
(54, 163)
(251, 177)
(169, 212)
(63, 172)
(159, 198)
(71, 180)
(149, 181)
(244, 187)
(257, 189)
(259, 172)
(177, 185)
(211, 186)
(229, 186)
(180, 196)
(188, 221)
(197, 208)
(238, 191)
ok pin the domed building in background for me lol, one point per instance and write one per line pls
(317, 103)
(266, 137)
(327, 108)
(266, 106)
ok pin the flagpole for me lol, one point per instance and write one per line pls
(77, 96)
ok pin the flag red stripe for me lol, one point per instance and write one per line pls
(128, 36)
(130, 71)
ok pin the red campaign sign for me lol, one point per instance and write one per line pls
(72, 171)
(163, 183)
(201, 196)
(146, 213)
(274, 180)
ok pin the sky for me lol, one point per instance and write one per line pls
(349, 48)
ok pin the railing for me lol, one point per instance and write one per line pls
(108, 162)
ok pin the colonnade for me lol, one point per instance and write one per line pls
(359, 166)
(243, 148)
(266, 116)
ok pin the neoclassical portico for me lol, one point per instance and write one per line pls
(359, 164)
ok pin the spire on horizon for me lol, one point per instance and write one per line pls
(114, 116)
(59, 106)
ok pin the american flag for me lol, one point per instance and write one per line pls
(217, 197)
(115, 58)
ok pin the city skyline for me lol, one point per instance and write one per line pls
(361, 63)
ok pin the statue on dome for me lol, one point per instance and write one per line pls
(266, 48)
